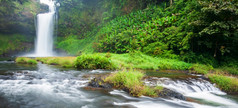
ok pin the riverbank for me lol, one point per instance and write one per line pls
(222, 77)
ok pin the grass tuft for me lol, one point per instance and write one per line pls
(132, 81)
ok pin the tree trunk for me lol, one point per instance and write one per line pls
(171, 2)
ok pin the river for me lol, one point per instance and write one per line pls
(45, 86)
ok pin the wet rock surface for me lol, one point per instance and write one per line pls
(167, 93)
(99, 83)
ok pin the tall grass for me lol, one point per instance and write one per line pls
(225, 83)
(142, 61)
(132, 81)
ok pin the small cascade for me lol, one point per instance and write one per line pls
(198, 89)
(45, 29)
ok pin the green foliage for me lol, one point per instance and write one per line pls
(17, 16)
(93, 61)
(226, 83)
(12, 42)
(141, 61)
(21, 60)
(75, 46)
(229, 70)
(200, 69)
(134, 32)
(32, 62)
(66, 62)
(216, 28)
(128, 79)
(132, 80)
(24, 60)
(53, 61)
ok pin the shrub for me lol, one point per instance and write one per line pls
(93, 61)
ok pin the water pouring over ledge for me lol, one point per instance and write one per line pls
(45, 31)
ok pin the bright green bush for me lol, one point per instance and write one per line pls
(93, 61)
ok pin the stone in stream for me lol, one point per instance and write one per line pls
(167, 93)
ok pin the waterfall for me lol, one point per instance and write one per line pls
(45, 29)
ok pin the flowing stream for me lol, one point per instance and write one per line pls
(45, 86)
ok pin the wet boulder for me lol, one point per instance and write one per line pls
(99, 83)
(167, 93)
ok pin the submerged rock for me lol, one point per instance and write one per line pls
(167, 93)
(99, 83)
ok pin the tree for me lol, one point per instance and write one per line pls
(217, 27)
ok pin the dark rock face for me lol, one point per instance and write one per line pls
(167, 93)
(99, 83)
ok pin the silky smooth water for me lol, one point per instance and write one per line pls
(45, 30)
(44, 86)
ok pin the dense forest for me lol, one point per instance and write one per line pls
(191, 30)
(201, 31)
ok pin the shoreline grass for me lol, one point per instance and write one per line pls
(132, 81)
(226, 83)
(24, 60)
(145, 62)
(66, 62)
(140, 61)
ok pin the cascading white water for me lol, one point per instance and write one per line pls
(45, 29)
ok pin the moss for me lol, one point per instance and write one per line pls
(12, 42)
(66, 62)
(24, 60)
(32, 61)
(226, 83)
(21, 60)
